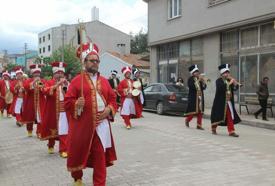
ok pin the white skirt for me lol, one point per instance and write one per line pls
(128, 107)
(62, 124)
(104, 134)
(18, 105)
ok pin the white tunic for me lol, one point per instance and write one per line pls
(62, 120)
(103, 129)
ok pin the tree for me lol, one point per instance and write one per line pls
(73, 63)
(139, 43)
(10, 66)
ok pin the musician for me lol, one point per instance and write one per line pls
(55, 121)
(223, 112)
(114, 81)
(128, 101)
(18, 92)
(91, 104)
(6, 96)
(34, 102)
(141, 98)
(196, 85)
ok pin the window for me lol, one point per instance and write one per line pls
(174, 8)
(267, 68)
(49, 48)
(49, 37)
(230, 41)
(43, 49)
(40, 51)
(175, 88)
(148, 89)
(249, 37)
(156, 88)
(39, 40)
(249, 74)
(267, 34)
(43, 38)
(216, 2)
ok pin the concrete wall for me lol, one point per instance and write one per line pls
(153, 65)
(198, 19)
(211, 48)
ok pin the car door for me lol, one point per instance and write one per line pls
(156, 95)
(148, 96)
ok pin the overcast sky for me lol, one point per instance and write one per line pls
(22, 20)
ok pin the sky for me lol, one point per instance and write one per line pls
(22, 20)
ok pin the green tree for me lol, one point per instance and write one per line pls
(139, 43)
(10, 66)
(73, 63)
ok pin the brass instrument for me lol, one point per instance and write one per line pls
(204, 78)
(229, 77)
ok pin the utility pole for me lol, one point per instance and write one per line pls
(25, 53)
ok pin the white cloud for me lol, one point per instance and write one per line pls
(22, 20)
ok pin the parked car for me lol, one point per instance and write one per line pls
(166, 98)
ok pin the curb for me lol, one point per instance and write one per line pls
(251, 123)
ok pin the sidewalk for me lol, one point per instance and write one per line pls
(250, 120)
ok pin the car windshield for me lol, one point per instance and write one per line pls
(175, 88)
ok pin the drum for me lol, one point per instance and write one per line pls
(135, 92)
(137, 84)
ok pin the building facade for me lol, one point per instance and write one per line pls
(115, 61)
(209, 33)
(106, 37)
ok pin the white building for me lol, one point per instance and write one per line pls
(106, 37)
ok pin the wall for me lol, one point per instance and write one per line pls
(109, 63)
(198, 19)
(211, 48)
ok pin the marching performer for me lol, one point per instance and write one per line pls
(6, 97)
(128, 101)
(55, 121)
(34, 101)
(196, 85)
(91, 104)
(223, 112)
(141, 98)
(114, 81)
(18, 90)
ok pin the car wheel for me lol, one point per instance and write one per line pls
(160, 108)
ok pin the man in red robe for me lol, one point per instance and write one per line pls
(129, 103)
(55, 121)
(91, 104)
(18, 91)
(34, 101)
(5, 86)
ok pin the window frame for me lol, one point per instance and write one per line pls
(171, 3)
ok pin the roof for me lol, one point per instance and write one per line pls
(132, 59)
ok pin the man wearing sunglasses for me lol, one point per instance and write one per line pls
(91, 104)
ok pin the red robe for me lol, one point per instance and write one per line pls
(82, 128)
(3, 90)
(49, 128)
(123, 89)
(15, 85)
(33, 103)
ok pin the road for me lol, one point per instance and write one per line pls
(158, 150)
